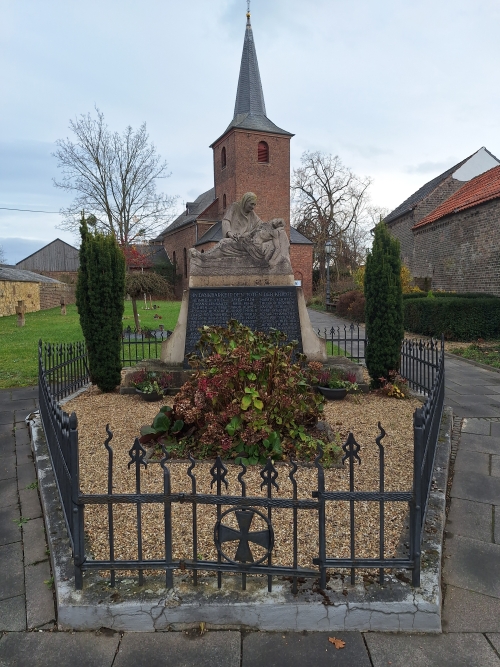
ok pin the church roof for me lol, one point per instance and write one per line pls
(250, 108)
(191, 213)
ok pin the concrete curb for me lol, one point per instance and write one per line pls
(394, 607)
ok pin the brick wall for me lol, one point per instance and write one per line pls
(176, 242)
(270, 181)
(301, 257)
(12, 292)
(461, 252)
(51, 293)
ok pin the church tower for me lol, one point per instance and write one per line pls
(253, 154)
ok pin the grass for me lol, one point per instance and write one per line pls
(19, 345)
(335, 351)
(484, 353)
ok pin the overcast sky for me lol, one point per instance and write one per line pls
(400, 90)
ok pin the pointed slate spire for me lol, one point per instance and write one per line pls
(250, 96)
(250, 109)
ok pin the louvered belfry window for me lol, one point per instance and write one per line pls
(263, 152)
(223, 157)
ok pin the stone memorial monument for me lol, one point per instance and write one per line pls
(247, 276)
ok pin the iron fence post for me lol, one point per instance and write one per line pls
(416, 527)
(77, 519)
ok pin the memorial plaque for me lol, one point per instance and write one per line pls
(259, 308)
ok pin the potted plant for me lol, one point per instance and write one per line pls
(334, 383)
(151, 385)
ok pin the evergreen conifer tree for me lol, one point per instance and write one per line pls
(384, 305)
(99, 298)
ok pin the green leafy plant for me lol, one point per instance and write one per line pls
(49, 582)
(394, 385)
(163, 432)
(151, 381)
(335, 378)
(249, 399)
(20, 522)
(33, 485)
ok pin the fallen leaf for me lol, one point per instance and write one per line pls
(338, 643)
(203, 628)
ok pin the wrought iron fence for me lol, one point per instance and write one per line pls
(235, 546)
(144, 344)
(420, 362)
(65, 367)
(346, 341)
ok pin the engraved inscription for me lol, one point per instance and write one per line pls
(260, 308)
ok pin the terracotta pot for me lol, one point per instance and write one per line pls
(149, 397)
(332, 394)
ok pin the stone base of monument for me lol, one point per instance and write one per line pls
(260, 307)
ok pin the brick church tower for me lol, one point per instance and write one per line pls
(252, 155)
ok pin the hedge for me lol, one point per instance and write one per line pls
(449, 295)
(458, 317)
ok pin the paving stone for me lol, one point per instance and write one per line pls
(495, 429)
(22, 435)
(35, 547)
(20, 393)
(220, 649)
(447, 650)
(24, 452)
(7, 465)
(24, 406)
(467, 611)
(26, 474)
(470, 519)
(495, 465)
(30, 503)
(468, 460)
(9, 530)
(7, 444)
(6, 417)
(473, 565)
(47, 649)
(477, 426)
(39, 597)
(480, 443)
(473, 486)
(12, 615)
(6, 429)
(8, 491)
(11, 567)
(289, 649)
(468, 408)
(495, 640)
(496, 524)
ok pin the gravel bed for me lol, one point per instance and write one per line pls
(359, 414)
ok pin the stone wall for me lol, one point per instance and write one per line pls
(69, 277)
(185, 237)
(51, 293)
(461, 252)
(12, 292)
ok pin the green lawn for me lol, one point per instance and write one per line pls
(19, 345)
(484, 353)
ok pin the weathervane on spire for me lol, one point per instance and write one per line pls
(248, 10)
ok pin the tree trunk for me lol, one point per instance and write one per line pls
(136, 314)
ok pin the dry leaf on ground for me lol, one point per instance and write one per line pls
(338, 643)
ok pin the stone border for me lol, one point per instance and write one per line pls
(394, 607)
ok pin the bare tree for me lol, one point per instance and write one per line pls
(329, 202)
(114, 177)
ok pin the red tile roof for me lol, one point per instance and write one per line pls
(477, 191)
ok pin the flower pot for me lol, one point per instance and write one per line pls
(172, 391)
(149, 396)
(332, 394)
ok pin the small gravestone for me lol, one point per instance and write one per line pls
(247, 277)
(63, 306)
(21, 310)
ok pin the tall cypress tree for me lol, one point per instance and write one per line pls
(384, 305)
(99, 298)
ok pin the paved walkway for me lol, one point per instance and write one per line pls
(471, 611)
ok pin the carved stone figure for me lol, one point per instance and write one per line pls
(248, 246)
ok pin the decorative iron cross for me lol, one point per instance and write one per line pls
(264, 538)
